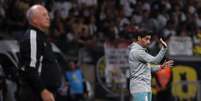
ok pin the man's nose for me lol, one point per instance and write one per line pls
(47, 17)
(148, 42)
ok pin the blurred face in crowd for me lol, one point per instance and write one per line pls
(40, 17)
(144, 41)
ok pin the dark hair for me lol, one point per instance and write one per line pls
(144, 33)
(140, 32)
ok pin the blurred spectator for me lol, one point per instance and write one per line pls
(122, 21)
(92, 25)
(63, 7)
(16, 15)
(127, 6)
(198, 19)
(136, 18)
(57, 28)
(75, 81)
(169, 30)
(197, 42)
(87, 2)
(177, 15)
(183, 32)
(148, 18)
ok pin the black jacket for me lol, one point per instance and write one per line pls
(38, 65)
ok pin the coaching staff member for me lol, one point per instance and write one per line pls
(40, 74)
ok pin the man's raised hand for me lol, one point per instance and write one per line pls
(163, 43)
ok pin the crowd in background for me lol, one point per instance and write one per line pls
(89, 23)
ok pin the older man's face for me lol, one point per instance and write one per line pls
(42, 18)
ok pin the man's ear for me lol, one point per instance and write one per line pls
(34, 21)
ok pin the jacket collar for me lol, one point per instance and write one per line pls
(139, 46)
(38, 30)
(136, 45)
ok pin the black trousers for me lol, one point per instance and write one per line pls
(26, 93)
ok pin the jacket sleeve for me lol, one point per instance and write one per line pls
(154, 68)
(143, 56)
(30, 51)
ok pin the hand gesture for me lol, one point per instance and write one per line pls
(163, 43)
(47, 95)
(168, 63)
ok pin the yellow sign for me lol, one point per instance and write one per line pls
(184, 85)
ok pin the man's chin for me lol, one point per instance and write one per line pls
(146, 46)
(47, 27)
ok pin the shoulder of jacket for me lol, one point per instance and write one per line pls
(31, 30)
(30, 34)
(136, 51)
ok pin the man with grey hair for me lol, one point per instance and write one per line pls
(40, 75)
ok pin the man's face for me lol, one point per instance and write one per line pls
(145, 41)
(42, 18)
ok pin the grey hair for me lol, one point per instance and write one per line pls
(29, 15)
(31, 12)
